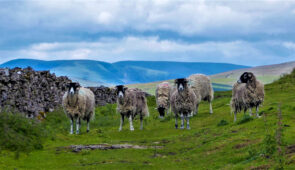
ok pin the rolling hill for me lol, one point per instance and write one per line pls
(266, 74)
(224, 81)
(89, 72)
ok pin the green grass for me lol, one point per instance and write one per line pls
(214, 141)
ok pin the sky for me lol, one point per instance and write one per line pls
(252, 32)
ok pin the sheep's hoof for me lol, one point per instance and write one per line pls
(176, 126)
(132, 129)
(87, 131)
(188, 128)
(71, 133)
(120, 129)
(182, 127)
(161, 117)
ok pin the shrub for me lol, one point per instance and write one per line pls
(19, 134)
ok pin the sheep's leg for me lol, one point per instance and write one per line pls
(78, 125)
(71, 131)
(141, 122)
(250, 111)
(197, 110)
(257, 110)
(235, 119)
(187, 122)
(211, 110)
(122, 122)
(131, 123)
(182, 121)
(176, 122)
(88, 126)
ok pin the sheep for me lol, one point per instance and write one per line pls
(79, 103)
(202, 87)
(183, 102)
(131, 102)
(247, 93)
(163, 98)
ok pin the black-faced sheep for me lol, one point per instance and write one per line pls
(78, 103)
(202, 87)
(183, 102)
(163, 98)
(247, 93)
(131, 102)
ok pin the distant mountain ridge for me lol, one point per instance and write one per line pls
(124, 72)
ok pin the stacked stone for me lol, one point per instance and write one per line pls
(103, 95)
(31, 92)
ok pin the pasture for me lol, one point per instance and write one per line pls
(214, 141)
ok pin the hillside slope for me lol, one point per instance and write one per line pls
(89, 72)
(214, 141)
(266, 74)
(224, 81)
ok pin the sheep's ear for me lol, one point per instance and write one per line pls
(175, 81)
(125, 88)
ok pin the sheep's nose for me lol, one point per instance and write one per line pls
(121, 95)
(239, 81)
(72, 91)
(180, 88)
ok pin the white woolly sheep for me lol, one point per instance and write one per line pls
(79, 103)
(202, 87)
(183, 102)
(163, 98)
(131, 102)
(247, 93)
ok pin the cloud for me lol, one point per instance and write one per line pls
(250, 33)
(289, 45)
(184, 17)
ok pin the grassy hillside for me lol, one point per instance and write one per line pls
(214, 141)
(224, 81)
(266, 74)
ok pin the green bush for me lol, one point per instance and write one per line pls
(19, 134)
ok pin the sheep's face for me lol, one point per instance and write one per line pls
(246, 77)
(73, 88)
(120, 91)
(181, 84)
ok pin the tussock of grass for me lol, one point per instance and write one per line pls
(222, 123)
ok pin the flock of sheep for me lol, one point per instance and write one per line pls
(183, 99)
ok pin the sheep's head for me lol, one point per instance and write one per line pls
(120, 91)
(73, 88)
(181, 84)
(247, 77)
(161, 111)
